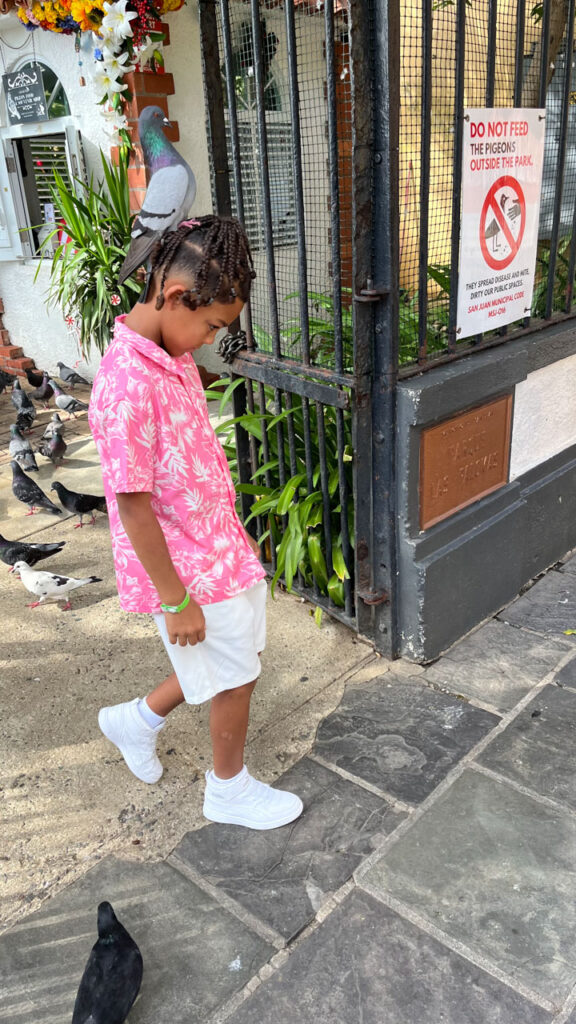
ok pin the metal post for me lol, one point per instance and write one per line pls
(375, 30)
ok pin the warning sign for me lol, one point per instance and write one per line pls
(501, 181)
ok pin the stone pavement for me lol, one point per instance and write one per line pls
(430, 880)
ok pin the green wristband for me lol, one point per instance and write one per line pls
(174, 608)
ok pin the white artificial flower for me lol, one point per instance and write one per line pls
(146, 50)
(116, 63)
(106, 83)
(116, 20)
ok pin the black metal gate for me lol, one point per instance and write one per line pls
(303, 102)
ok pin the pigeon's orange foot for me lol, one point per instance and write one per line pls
(79, 525)
(33, 605)
(66, 607)
(31, 512)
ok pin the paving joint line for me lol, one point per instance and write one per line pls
(396, 804)
(461, 949)
(255, 924)
(524, 790)
(225, 1012)
(567, 1009)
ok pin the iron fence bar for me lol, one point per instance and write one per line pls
(215, 104)
(334, 183)
(234, 138)
(571, 267)
(280, 437)
(425, 142)
(344, 499)
(253, 448)
(265, 177)
(266, 459)
(519, 53)
(324, 485)
(298, 182)
(561, 160)
(457, 175)
(266, 371)
(291, 436)
(491, 55)
(243, 453)
(546, 11)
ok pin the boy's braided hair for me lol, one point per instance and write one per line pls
(212, 250)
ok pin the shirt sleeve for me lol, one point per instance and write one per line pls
(128, 440)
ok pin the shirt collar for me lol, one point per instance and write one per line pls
(173, 364)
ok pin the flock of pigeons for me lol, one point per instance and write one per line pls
(20, 555)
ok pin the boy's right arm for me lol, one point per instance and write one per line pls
(145, 535)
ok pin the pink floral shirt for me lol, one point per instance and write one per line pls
(150, 422)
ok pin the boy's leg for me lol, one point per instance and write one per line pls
(133, 727)
(229, 713)
(232, 795)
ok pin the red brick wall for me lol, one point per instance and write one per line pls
(12, 357)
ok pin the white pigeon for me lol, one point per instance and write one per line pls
(49, 585)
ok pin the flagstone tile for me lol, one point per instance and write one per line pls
(548, 607)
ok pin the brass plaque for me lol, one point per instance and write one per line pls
(464, 458)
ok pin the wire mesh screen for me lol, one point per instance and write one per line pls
(288, 133)
(292, 180)
(489, 53)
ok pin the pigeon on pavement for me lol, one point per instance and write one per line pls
(49, 585)
(53, 447)
(5, 380)
(70, 376)
(25, 418)
(44, 392)
(20, 450)
(112, 976)
(34, 379)
(53, 424)
(22, 402)
(66, 402)
(170, 193)
(80, 504)
(12, 551)
(29, 493)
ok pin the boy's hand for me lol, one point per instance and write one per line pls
(187, 626)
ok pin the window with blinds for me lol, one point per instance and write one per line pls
(37, 158)
(282, 194)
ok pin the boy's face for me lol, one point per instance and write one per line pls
(185, 330)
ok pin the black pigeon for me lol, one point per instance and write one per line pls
(21, 401)
(12, 551)
(44, 392)
(53, 448)
(25, 418)
(112, 976)
(5, 380)
(80, 504)
(69, 376)
(66, 402)
(29, 493)
(34, 379)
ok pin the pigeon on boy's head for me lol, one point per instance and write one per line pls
(170, 193)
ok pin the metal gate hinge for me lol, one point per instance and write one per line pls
(373, 597)
(372, 293)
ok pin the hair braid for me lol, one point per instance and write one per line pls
(215, 252)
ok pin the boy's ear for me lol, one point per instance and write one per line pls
(173, 293)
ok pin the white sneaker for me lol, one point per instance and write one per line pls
(124, 726)
(250, 803)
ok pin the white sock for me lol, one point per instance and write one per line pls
(149, 716)
(223, 783)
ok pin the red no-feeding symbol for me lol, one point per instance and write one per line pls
(504, 209)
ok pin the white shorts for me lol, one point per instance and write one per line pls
(228, 657)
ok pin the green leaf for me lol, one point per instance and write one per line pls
(317, 561)
(318, 616)
(288, 493)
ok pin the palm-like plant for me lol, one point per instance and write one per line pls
(84, 268)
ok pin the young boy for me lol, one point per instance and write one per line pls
(180, 550)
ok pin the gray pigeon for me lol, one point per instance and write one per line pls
(22, 403)
(44, 392)
(29, 493)
(66, 402)
(48, 584)
(53, 424)
(53, 447)
(170, 193)
(21, 450)
(69, 376)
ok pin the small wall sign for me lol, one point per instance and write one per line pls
(25, 96)
(463, 459)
